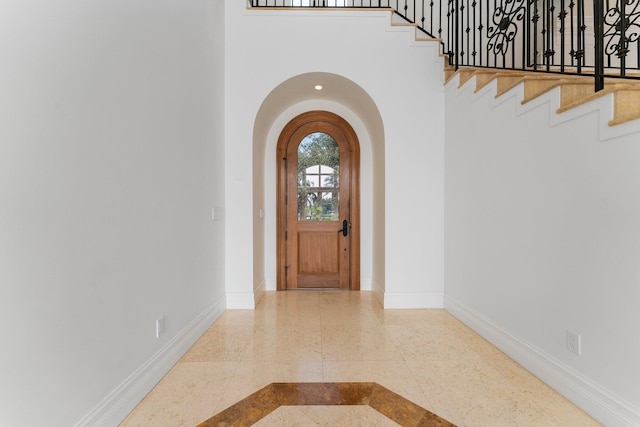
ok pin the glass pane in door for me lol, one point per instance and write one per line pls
(318, 178)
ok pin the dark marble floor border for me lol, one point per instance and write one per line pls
(266, 400)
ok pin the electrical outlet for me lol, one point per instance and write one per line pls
(217, 214)
(160, 327)
(573, 343)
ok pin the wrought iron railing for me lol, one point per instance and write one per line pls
(598, 38)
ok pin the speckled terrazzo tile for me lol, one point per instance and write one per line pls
(248, 378)
(290, 416)
(290, 323)
(302, 370)
(393, 375)
(560, 409)
(481, 346)
(349, 311)
(519, 376)
(419, 344)
(351, 343)
(220, 343)
(353, 416)
(365, 300)
(238, 318)
(508, 414)
(473, 393)
(413, 317)
(187, 395)
(357, 318)
(347, 297)
(297, 299)
(564, 413)
(285, 344)
(290, 313)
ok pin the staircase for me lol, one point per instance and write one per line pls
(563, 38)
(575, 90)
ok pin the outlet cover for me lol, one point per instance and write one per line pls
(573, 343)
(160, 327)
(217, 214)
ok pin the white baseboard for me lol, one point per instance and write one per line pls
(414, 300)
(258, 293)
(598, 402)
(378, 291)
(123, 399)
(365, 284)
(241, 300)
(270, 284)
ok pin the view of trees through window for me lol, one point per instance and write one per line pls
(318, 178)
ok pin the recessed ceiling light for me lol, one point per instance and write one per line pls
(318, 87)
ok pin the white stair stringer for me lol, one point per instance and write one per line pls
(603, 107)
(417, 38)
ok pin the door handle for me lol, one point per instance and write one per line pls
(345, 228)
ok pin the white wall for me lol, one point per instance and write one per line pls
(542, 226)
(404, 81)
(110, 161)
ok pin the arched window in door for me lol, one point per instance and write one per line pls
(318, 178)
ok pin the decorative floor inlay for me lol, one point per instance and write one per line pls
(266, 400)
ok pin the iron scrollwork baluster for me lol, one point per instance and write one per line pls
(535, 20)
(462, 21)
(475, 50)
(505, 28)
(621, 29)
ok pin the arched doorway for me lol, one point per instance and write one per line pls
(318, 204)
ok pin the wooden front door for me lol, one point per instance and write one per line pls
(318, 204)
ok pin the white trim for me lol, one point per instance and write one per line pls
(602, 106)
(414, 300)
(270, 284)
(123, 399)
(378, 291)
(258, 293)
(598, 402)
(241, 301)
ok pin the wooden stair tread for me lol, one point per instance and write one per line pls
(575, 90)
(624, 119)
(534, 87)
(507, 82)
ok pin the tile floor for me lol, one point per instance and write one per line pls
(427, 356)
(308, 397)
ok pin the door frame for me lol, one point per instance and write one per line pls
(284, 139)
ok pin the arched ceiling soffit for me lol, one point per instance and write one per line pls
(301, 88)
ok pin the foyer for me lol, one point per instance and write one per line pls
(138, 200)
